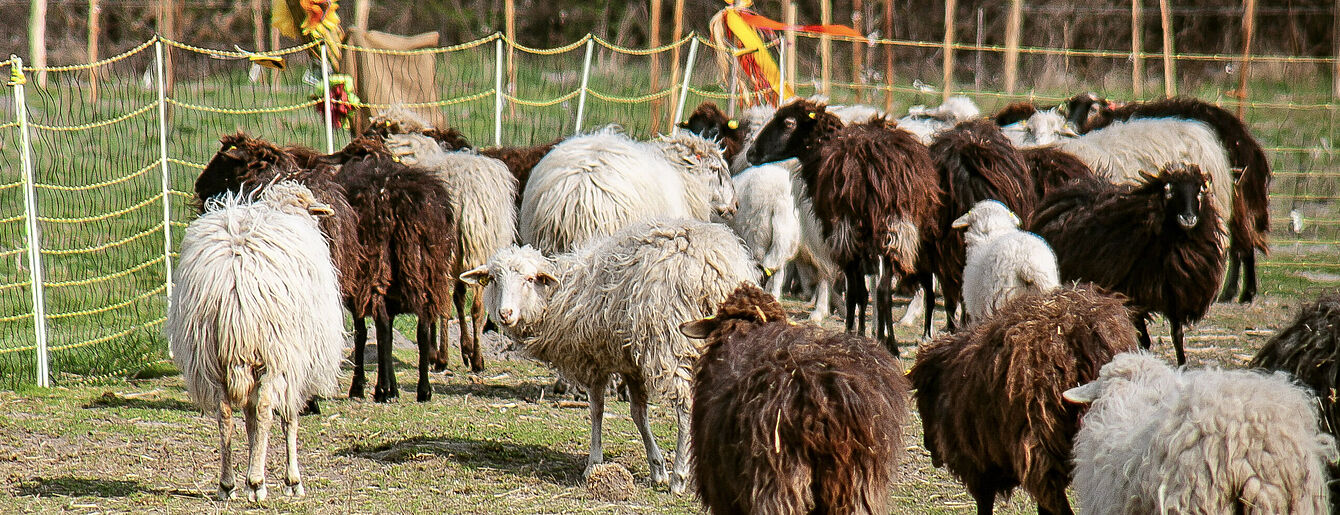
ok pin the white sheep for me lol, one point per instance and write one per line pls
(768, 220)
(1159, 440)
(613, 306)
(255, 321)
(1043, 128)
(595, 184)
(483, 197)
(1003, 262)
(925, 122)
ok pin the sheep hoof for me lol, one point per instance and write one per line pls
(658, 475)
(227, 492)
(257, 493)
(356, 391)
(817, 316)
(678, 485)
(295, 490)
(424, 395)
(385, 396)
(590, 467)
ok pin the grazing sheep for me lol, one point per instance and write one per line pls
(613, 306)
(1159, 440)
(926, 123)
(1003, 261)
(875, 192)
(791, 419)
(975, 162)
(1307, 349)
(1158, 242)
(255, 321)
(483, 194)
(768, 220)
(595, 184)
(1250, 219)
(990, 396)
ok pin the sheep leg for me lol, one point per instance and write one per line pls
(227, 486)
(424, 392)
(360, 344)
(1231, 284)
(260, 417)
(1053, 501)
(928, 296)
(1145, 342)
(857, 296)
(477, 347)
(595, 393)
(637, 393)
(679, 481)
(439, 344)
(985, 496)
(386, 388)
(1248, 276)
(1176, 323)
(467, 339)
(292, 479)
(776, 282)
(823, 290)
(884, 311)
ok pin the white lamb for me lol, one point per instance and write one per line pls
(255, 321)
(1043, 128)
(598, 183)
(768, 220)
(1159, 440)
(614, 306)
(1003, 262)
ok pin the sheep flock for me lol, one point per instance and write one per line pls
(656, 269)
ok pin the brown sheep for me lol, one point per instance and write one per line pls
(709, 122)
(1157, 242)
(1014, 113)
(791, 418)
(990, 396)
(520, 160)
(1052, 168)
(875, 193)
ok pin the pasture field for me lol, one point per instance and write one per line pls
(494, 442)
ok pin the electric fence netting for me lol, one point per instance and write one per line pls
(98, 161)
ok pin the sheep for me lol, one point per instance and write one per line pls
(520, 161)
(1042, 128)
(791, 418)
(1161, 440)
(734, 135)
(1052, 168)
(483, 197)
(813, 251)
(990, 395)
(768, 220)
(1003, 261)
(927, 123)
(975, 162)
(1014, 113)
(613, 306)
(1250, 219)
(595, 184)
(1307, 349)
(875, 192)
(255, 321)
(1157, 242)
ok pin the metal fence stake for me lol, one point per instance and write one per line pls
(325, 92)
(684, 87)
(586, 78)
(497, 92)
(34, 234)
(166, 172)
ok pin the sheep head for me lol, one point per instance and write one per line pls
(242, 163)
(1047, 127)
(295, 199)
(701, 158)
(747, 306)
(517, 282)
(1183, 188)
(414, 149)
(709, 122)
(1127, 371)
(790, 131)
(984, 219)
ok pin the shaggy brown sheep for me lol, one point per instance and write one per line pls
(1157, 242)
(990, 396)
(1052, 168)
(791, 418)
(709, 122)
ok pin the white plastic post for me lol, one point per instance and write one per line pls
(684, 87)
(34, 246)
(325, 91)
(781, 71)
(166, 172)
(586, 78)
(497, 92)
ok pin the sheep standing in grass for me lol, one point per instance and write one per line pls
(1309, 349)
(792, 419)
(483, 191)
(255, 321)
(598, 183)
(1159, 440)
(990, 396)
(1003, 262)
(614, 306)
(768, 220)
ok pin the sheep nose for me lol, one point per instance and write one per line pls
(506, 316)
(727, 212)
(1187, 221)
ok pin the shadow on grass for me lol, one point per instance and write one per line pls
(111, 400)
(522, 459)
(528, 391)
(67, 486)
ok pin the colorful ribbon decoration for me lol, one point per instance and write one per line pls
(754, 58)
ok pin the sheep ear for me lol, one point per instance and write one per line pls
(963, 221)
(1084, 394)
(477, 276)
(734, 124)
(546, 279)
(700, 328)
(813, 115)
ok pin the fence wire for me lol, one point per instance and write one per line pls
(99, 168)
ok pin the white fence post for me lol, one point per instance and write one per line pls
(684, 87)
(325, 91)
(166, 171)
(781, 71)
(497, 92)
(34, 236)
(586, 77)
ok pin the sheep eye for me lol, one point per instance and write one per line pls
(790, 123)
(484, 281)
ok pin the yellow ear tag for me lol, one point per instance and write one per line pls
(734, 124)
(812, 116)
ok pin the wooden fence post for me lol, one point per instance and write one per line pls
(888, 55)
(948, 86)
(1169, 72)
(1012, 45)
(37, 39)
(655, 64)
(94, 33)
(977, 54)
(826, 48)
(790, 63)
(1137, 50)
(674, 54)
(857, 49)
(1248, 29)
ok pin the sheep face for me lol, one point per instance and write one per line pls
(517, 282)
(985, 218)
(709, 122)
(295, 199)
(1047, 127)
(705, 163)
(784, 136)
(1126, 371)
(1184, 190)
